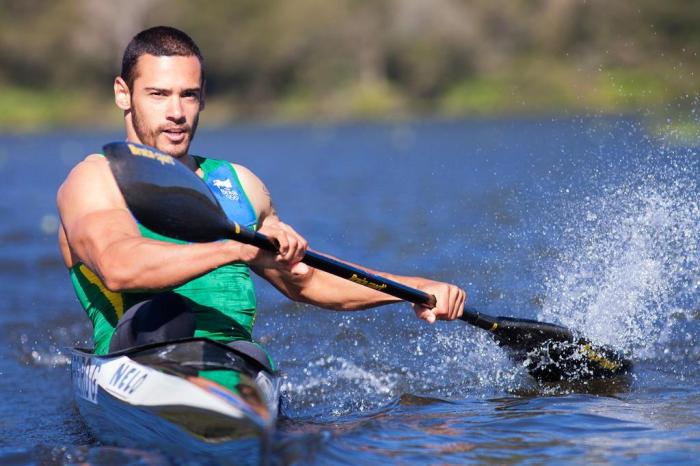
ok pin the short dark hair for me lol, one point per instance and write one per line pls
(160, 41)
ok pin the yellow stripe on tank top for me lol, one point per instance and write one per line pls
(115, 299)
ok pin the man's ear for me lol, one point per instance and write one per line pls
(122, 95)
(202, 98)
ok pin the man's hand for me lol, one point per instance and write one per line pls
(292, 247)
(450, 302)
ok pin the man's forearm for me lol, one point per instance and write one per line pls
(143, 264)
(331, 292)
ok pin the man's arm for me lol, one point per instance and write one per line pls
(325, 290)
(101, 232)
(308, 285)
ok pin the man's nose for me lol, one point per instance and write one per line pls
(175, 109)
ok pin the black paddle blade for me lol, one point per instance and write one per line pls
(552, 353)
(174, 201)
(560, 361)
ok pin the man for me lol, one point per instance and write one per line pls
(138, 287)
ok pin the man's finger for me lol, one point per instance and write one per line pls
(297, 244)
(455, 304)
(283, 244)
(460, 304)
(292, 249)
(301, 249)
(427, 315)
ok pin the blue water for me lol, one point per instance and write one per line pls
(588, 222)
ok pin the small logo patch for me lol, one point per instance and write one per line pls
(223, 184)
(226, 188)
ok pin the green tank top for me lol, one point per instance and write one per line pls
(223, 299)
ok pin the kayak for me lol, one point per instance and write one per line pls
(189, 396)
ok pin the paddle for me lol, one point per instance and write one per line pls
(167, 197)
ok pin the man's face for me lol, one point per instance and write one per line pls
(166, 99)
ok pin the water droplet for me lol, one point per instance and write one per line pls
(49, 224)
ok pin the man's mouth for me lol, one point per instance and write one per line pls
(175, 135)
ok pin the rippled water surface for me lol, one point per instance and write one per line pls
(590, 223)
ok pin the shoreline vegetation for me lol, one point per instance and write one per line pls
(371, 60)
(667, 108)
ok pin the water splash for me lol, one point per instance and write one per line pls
(46, 346)
(449, 362)
(630, 256)
(339, 382)
(472, 362)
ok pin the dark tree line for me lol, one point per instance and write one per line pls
(318, 55)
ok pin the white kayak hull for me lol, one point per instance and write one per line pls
(190, 397)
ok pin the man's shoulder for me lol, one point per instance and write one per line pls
(86, 176)
(95, 161)
(95, 157)
(90, 165)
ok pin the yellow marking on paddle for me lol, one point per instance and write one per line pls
(238, 228)
(115, 299)
(367, 283)
(493, 327)
(143, 152)
(596, 357)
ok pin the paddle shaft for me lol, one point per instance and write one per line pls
(362, 277)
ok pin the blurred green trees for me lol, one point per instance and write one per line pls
(335, 59)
